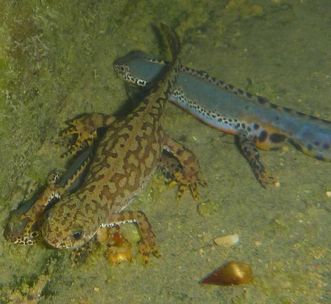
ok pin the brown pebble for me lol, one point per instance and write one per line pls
(230, 273)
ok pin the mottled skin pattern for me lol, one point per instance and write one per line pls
(126, 156)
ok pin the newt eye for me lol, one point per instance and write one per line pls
(77, 235)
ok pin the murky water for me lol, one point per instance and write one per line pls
(56, 62)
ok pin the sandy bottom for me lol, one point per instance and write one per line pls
(57, 63)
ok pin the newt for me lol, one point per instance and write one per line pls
(23, 224)
(124, 159)
(255, 121)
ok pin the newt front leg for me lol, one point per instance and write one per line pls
(147, 245)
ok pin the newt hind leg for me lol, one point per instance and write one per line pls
(185, 170)
(83, 131)
(248, 148)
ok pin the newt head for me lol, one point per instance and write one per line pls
(22, 224)
(137, 68)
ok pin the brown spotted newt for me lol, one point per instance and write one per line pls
(124, 160)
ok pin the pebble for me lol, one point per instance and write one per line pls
(227, 240)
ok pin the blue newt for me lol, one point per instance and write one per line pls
(23, 223)
(256, 122)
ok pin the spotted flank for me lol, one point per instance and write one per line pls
(125, 157)
(257, 122)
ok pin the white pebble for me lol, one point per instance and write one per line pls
(227, 240)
